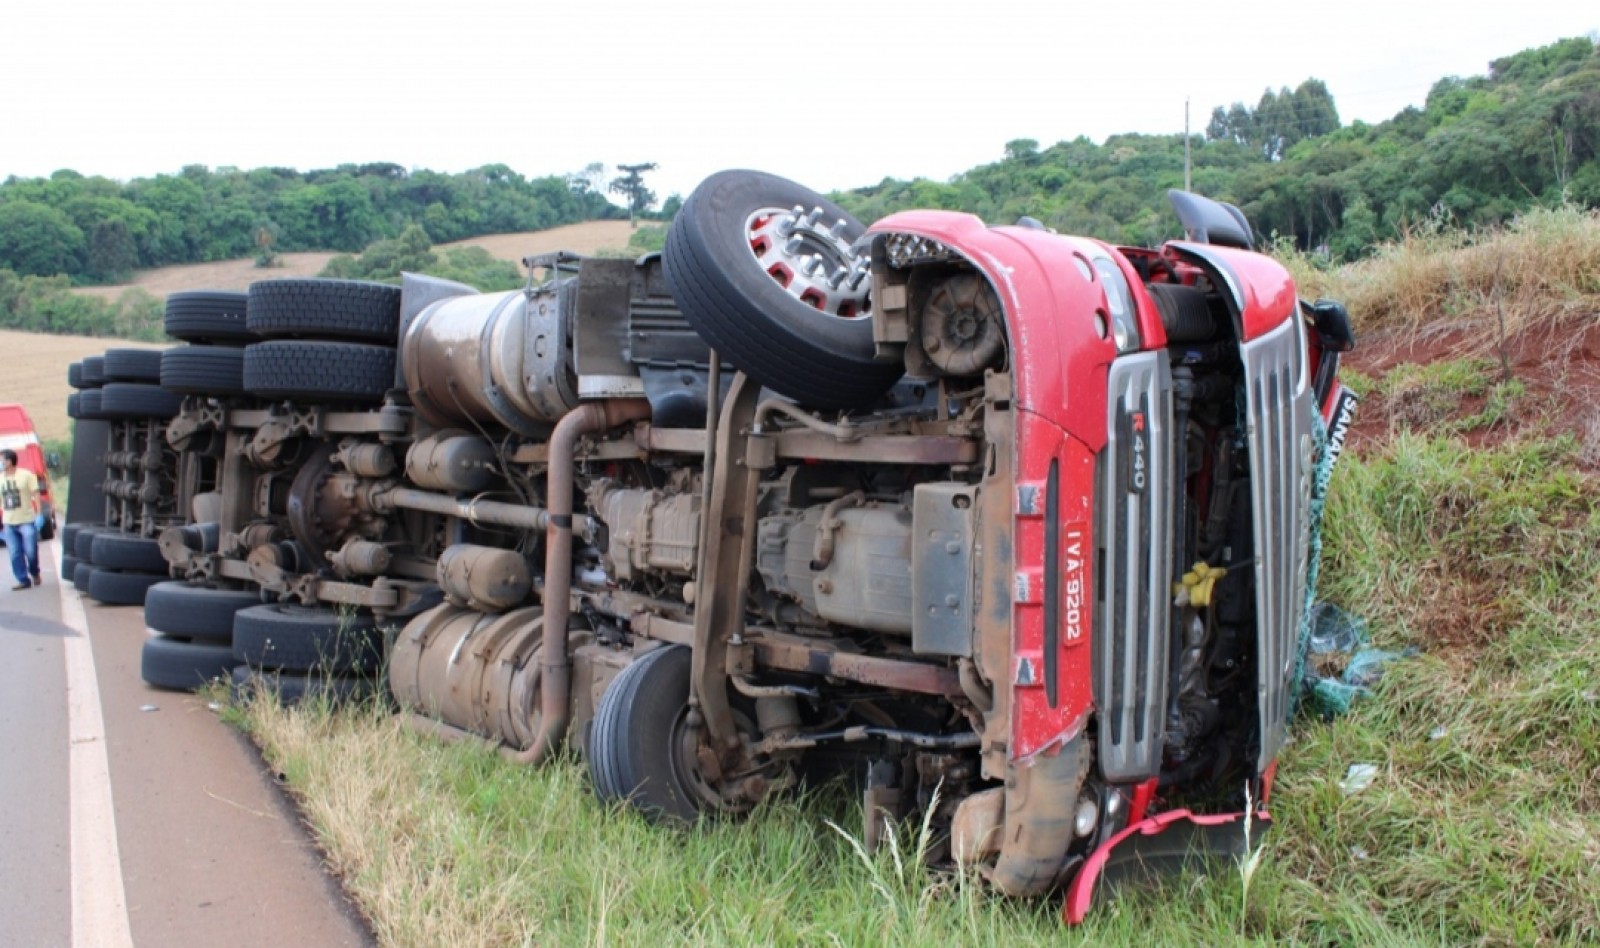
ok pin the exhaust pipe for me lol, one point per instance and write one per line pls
(555, 666)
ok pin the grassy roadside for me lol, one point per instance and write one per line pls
(1482, 825)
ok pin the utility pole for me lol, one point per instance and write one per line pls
(1187, 186)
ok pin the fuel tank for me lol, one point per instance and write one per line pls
(473, 671)
(497, 358)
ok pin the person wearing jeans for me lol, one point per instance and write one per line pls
(19, 508)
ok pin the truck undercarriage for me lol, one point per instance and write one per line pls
(1010, 529)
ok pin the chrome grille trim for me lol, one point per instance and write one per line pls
(1278, 414)
(1132, 620)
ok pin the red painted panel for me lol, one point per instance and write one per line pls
(1057, 316)
(1035, 725)
(1266, 291)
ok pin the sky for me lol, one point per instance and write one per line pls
(832, 94)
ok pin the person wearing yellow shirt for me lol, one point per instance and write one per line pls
(19, 508)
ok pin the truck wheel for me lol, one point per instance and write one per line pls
(75, 375)
(285, 637)
(183, 666)
(131, 400)
(83, 540)
(121, 589)
(133, 365)
(639, 747)
(290, 690)
(325, 309)
(69, 567)
(757, 284)
(92, 372)
(81, 574)
(84, 405)
(319, 371)
(196, 612)
(208, 316)
(203, 370)
(125, 551)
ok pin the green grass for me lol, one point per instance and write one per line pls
(1483, 825)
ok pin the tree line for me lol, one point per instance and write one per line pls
(97, 230)
(1481, 149)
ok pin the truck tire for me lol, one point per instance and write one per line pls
(757, 307)
(203, 370)
(131, 400)
(85, 405)
(199, 613)
(290, 690)
(325, 309)
(208, 316)
(319, 371)
(75, 375)
(121, 589)
(183, 666)
(633, 746)
(83, 542)
(81, 574)
(125, 551)
(284, 637)
(132, 365)
(69, 567)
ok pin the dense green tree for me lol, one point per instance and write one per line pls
(112, 253)
(38, 239)
(212, 214)
(1279, 120)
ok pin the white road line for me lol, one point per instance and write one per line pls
(99, 902)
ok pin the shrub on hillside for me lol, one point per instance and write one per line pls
(412, 252)
(47, 304)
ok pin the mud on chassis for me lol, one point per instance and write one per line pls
(962, 594)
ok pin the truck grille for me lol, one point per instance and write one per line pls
(1134, 597)
(1278, 413)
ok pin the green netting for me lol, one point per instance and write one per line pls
(1321, 470)
(1335, 663)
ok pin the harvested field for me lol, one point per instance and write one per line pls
(36, 374)
(586, 238)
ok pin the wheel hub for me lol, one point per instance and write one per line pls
(813, 262)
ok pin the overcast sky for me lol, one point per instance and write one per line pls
(833, 94)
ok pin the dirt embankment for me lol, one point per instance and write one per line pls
(1556, 369)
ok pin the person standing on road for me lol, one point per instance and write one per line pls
(19, 508)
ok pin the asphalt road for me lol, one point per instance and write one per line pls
(135, 816)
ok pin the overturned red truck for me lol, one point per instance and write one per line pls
(1011, 526)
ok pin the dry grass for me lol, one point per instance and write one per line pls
(1541, 270)
(36, 374)
(587, 238)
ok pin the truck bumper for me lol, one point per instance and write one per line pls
(1160, 844)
